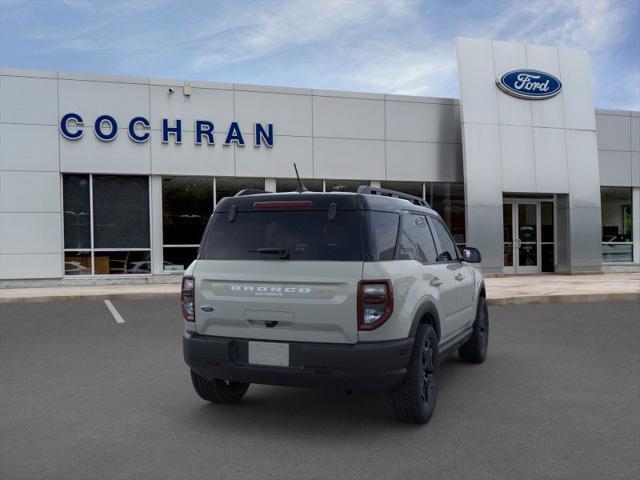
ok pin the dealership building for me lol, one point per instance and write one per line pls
(112, 179)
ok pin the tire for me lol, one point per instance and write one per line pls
(474, 350)
(218, 391)
(415, 399)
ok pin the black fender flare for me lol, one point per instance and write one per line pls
(427, 308)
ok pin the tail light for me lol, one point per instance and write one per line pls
(375, 303)
(187, 296)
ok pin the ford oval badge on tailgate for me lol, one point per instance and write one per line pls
(207, 308)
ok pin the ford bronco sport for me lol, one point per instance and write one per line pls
(352, 291)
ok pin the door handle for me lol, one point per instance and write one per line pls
(435, 282)
(459, 277)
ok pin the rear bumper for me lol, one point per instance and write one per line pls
(375, 366)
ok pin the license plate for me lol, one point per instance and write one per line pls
(269, 353)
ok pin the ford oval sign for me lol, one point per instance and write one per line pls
(529, 84)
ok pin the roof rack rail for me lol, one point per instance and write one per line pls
(383, 192)
(250, 191)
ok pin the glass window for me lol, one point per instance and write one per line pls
(187, 204)
(344, 185)
(229, 186)
(447, 250)
(617, 224)
(383, 234)
(448, 200)
(122, 262)
(291, 184)
(77, 263)
(120, 211)
(77, 215)
(296, 235)
(119, 214)
(425, 246)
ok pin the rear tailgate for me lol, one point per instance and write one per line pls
(310, 301)
(281, 267)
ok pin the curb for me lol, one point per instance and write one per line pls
(566, 298)
(513, 300)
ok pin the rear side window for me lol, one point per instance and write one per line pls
(416, 242)
(265, 235)
(382, 234)
(448, 250)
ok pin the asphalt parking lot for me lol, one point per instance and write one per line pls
(83, 396)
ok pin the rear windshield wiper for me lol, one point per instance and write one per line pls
(283, 252)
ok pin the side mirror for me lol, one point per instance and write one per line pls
(471, 255)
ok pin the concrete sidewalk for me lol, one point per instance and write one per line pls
(509, 290)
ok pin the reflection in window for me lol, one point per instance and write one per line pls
(617, 224)
(187, 204)
(229, 186)
(448, 200)
(291, 184)
(344, 185)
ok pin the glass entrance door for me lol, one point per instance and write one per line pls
(528, 237)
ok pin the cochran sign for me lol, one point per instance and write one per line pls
(105, 128)
(529, 84)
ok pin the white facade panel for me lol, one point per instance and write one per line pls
(215, 106)
(123, 101)
(477, 81)
(419, 122)
(615, 168)
(289, 114)
(457, 128)
(518, 163)
(550, 153)
(509, 56)
(550, 112)
(348, 118)
(482, 164)
(30, 233)
(29, 192)
(30, 266)
(635, 169)
(577, 90)
(191, 159)
(348, 158)
(276, 162)
(635, 134)
(28, 100)
(406, 160)
(29, 147)
(614, 132)
(121, 155)
(582, 161)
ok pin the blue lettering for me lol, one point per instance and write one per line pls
(260, 134)
(167, 130)
(64, 126)
(234, 135)
(105, 137)
(203, 128)
(133, 135)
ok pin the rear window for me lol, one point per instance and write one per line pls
(303, 235)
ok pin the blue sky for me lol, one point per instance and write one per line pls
(389, 47)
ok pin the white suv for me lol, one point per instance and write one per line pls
(352, 291)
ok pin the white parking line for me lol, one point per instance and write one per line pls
(118, 318)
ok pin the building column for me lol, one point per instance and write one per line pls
(635, 218)
(157, 256)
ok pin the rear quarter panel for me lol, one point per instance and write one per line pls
(411, 288)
